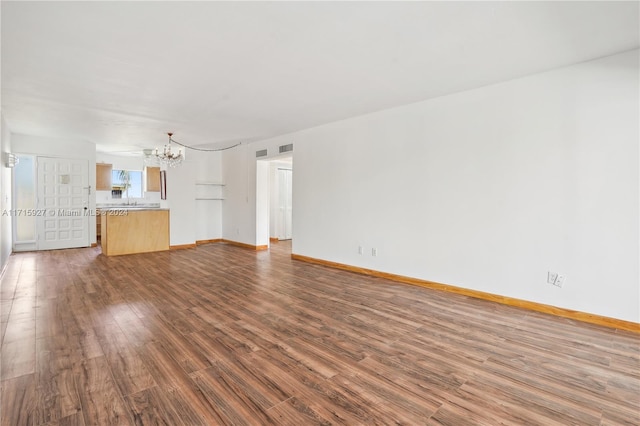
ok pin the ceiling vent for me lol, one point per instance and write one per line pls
(286, 148)
(261, 153)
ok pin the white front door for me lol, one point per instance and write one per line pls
(285, 201)
(63, 201)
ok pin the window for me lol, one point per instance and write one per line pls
(126, 183)
(25, 198)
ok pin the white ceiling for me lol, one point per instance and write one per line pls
(121, 74)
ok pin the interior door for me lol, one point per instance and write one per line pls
(285, 201)
(63, 200)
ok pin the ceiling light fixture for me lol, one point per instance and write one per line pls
(167, 156)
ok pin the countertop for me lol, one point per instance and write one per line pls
(130, 208)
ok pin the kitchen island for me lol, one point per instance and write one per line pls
(134, 230)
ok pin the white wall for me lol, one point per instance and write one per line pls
(208, 212)
(62, 148)
(193, 220)
(274, 194)
(239, 207)
(263, 187)
(6, 238)
(181, 198)
(486, 189)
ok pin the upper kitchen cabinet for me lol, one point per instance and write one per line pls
(103, 177)
(153, 179)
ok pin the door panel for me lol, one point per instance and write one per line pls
(63, 198)
(285, 202)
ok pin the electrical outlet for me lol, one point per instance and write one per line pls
(360, 249)
(555, 278)
(374, 252)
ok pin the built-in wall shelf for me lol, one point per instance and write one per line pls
(209, 190)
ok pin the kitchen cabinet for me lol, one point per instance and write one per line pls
(103, 177)
(153, 179)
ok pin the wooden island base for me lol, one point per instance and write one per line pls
(134, 231)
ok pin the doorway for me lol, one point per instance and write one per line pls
(274, 200)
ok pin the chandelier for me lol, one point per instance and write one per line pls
(168, 157)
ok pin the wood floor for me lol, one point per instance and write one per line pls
(224, 335)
